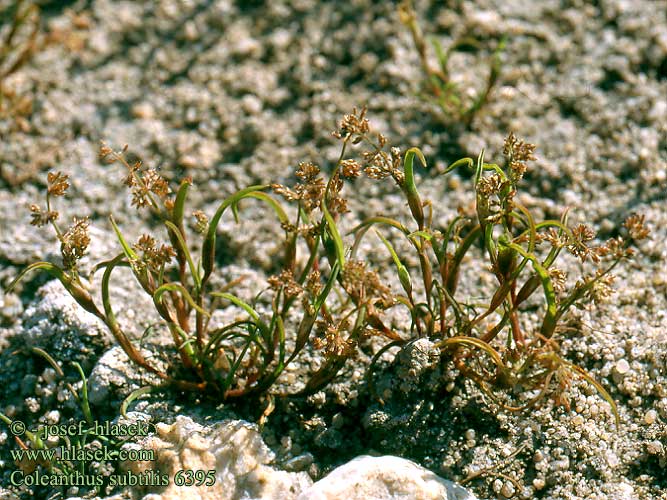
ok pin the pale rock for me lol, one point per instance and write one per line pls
(115, 373)
(234, 449)
(489, 22)
(384, 478)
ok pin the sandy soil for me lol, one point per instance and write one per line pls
(237, 93)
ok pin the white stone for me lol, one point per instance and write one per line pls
(622, 367)
(234, 449)
(650, 417)
(488, 21)
(655, 447)
(384, 478)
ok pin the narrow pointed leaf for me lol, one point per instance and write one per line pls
(177, 287)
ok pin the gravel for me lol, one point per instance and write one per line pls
(235, 93)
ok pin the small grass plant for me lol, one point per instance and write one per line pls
(18, 41)
(232, 360)
(515, 365)
(438, 86)
(36, 451)
(489, 340)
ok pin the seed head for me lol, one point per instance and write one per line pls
(353, 124)
(365, 286)
(635, 226)
(350, 168)
(156, 183)
(285, 192)
(285, 281)
(581, 235)
(307, 171)
(153, 257)
(57, 183)
(329, 337)
(558, 278)
(518, 153)
(74, 243)
(41, 217)
(600, 286)
(202, 221)
(490, 185)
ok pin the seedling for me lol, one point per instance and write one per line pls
(37, 450)
(438, 86)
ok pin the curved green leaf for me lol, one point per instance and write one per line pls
(334, 234)
(403, 273)
(208, 246)
(365, 225)
(52, 269)
(184, 248)
(179, 203)
(256, 318)
(127, 249)
(136, 394)
(551, 314)
(410, 188)
(468, 162)
(177, 287)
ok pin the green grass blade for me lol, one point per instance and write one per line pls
(410, 188)
(177, 287)
(184, 248)
(127, 249)
(403, 273)
(134, 395)
(208, 246)
(240, 303)
(179, 203)
(272, 202)
(106, 300)
(78, 293)
(467, 162)
(334, 234)
(551, 314)
(85, 405)
(52, 269)
(363, 228)
(442, 55)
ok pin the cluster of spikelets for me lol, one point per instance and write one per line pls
(515, 366)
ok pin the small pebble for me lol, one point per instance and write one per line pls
(655, 447)
(650, 417)
(251, 104)
(32, 404)
(52, 417)
(507, 490)
(49, 375)
(538, 483)
(143, 110)
(622, 367)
